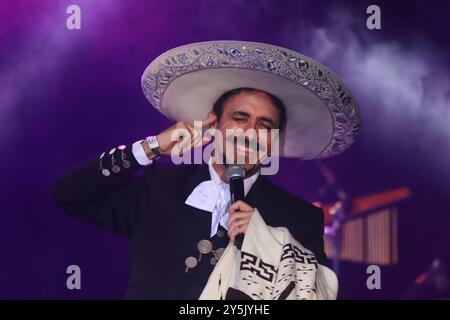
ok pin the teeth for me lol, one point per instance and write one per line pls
(243, 149)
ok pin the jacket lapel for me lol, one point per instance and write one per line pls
(257, 197)
(199, 219)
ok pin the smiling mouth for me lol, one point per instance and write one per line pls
(245, 149)
(249, 147)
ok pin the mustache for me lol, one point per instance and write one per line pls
(244, 141)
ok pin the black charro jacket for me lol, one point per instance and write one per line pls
(147, 206)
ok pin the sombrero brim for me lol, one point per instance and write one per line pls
(323, 117)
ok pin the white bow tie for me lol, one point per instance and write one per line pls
(214, 197)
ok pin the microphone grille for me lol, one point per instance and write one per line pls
(235, 171)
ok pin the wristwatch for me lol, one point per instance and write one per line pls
(154, 145)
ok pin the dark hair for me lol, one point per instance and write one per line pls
(219, 104)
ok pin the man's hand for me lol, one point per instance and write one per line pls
(240, 215)
(186, 137)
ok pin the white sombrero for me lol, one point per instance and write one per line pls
(323, 117)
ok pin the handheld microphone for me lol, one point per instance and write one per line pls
(235, 174)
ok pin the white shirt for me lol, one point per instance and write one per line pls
(139, 154)
(211, 195)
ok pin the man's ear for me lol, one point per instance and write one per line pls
(213, 114)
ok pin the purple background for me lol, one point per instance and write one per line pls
(68, 95)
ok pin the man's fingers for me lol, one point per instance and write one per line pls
(190, 137)
(240, 206)
(238, 226)
(210, 120)
(232, 234)
(237, 211)
(238, 216)
(241, 229)
(238, 222)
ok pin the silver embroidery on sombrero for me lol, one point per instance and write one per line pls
(289, 65)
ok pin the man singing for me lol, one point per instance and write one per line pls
(179, 218)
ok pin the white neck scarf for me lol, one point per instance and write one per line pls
(214, 196)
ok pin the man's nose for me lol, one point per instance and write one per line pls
(251, 124)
